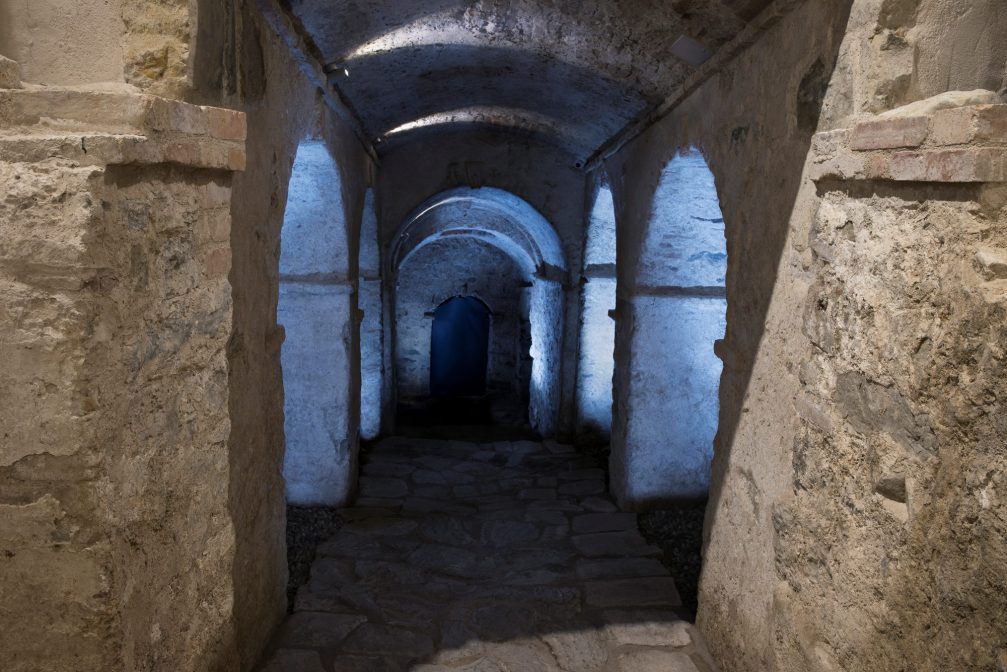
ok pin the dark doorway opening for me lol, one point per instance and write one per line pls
(459, 348)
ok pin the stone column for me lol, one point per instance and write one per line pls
(116, 543)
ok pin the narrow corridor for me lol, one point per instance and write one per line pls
(507, 556)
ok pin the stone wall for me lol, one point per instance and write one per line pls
(280, 91)
(117, 544)
(853, 521)
(144, 43)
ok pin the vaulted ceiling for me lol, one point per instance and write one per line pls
(575, 72)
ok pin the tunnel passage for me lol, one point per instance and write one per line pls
(489, 244)
(459, 348)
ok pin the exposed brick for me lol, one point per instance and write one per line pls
(214, 226)
(188, 119)
(891, 133)
(186, 153)
(226, 124)
(991, 123)
(236, 159)
(962, 125)
(953, 127)
(981, 164)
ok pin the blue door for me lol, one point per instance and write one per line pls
(459, 348)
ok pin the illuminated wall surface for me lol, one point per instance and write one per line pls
(315, 305)
(678, 312)
(372, 374)
(494, 246)
(597, 335)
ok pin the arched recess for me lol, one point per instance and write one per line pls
(492, 244)
(596, 353)
(667, 390)
(315, 309)
(372, 369)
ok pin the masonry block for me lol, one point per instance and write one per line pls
(891, 133)
(982, 164)
(962, 125)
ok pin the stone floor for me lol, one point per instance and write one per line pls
(492, 557)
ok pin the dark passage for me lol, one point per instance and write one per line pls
(459, 348)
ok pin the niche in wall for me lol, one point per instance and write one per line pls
(315, 308)
(669, 405)
(596, 356)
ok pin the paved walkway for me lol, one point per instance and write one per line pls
(495, 557)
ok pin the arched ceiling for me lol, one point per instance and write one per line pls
(576, 71)
(493, 216)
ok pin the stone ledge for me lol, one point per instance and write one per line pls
(113, 128)
(957, 145)
(105, 149)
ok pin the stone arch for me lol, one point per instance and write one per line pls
(668, 375)
(596, 354)
(496, 224)
(315, 309)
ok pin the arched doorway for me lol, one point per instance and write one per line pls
(315, 306)
(491, 244)
(459, 348)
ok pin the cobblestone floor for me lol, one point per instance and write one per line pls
(486, 557)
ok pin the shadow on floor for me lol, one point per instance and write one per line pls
(501, 556)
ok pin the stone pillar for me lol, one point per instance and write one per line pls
(116, 543)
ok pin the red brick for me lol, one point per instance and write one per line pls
(185, 153)
(991, 123)
(236, 159)
(980, 164)
(890, 133)
(226, 124)
(962, 125)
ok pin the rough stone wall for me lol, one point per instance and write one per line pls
(545, 176)
(854, 520)
(144, 43)
(596, 354)
(117, 543)
(280, 96)
(445, 269)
